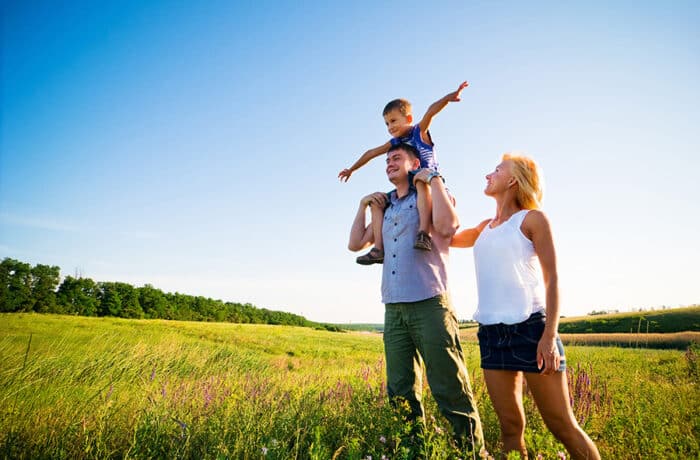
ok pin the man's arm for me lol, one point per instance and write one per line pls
(445, 220)
(345, 174)
(361, 234)
(437, 106)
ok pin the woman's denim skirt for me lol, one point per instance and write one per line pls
(513, 347)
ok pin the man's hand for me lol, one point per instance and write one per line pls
(376, 198)
(344, 175)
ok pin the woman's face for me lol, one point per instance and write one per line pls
(500, 179)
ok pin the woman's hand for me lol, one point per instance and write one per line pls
(548, 357)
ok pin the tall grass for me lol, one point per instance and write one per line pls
(109, 388)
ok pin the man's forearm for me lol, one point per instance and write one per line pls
(358, 229)
(445, 220)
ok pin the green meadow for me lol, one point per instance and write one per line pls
(78, 387)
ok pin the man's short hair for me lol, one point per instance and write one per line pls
(402, 105)
(408, 148)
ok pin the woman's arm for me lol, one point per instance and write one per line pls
(467, 237)
(536, 227)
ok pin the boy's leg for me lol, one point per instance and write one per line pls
(425, 214)
(377, 214)
(376, 254)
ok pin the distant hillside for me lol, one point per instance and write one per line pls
(652, 321)
(370, 327)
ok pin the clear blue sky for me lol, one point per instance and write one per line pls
(196, 146)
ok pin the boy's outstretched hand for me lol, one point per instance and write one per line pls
(456, 96)
(344, 175)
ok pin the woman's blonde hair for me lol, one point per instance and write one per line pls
(529, 178)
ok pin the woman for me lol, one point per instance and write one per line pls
(518, 310)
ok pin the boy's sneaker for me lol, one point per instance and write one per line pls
(374, 256)
(423, 241)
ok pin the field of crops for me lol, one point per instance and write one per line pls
(74, 388)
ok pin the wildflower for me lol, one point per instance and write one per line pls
(382, 439)
(264, 450)
(438, 430)
(561, 455)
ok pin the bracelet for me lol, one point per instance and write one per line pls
(431, 176)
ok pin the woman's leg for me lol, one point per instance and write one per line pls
(506, 393)
(551, 393)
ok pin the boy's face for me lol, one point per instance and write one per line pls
(398, 124)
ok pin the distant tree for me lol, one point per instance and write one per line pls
(44, 283)
(181, 306)
(23, 288)
(110, 300)
(131, 308)
(79, 296)
(5, 268)
(16, 288)
(153, 302)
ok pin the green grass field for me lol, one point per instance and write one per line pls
(73, 388)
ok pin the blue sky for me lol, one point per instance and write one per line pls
(196, 147)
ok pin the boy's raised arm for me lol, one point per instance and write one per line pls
(437, 106)
(345, 174)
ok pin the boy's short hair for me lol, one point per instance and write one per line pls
(402, 105)
(411, 150)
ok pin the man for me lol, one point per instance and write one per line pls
(419, 321)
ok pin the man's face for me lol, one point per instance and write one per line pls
(398, 164)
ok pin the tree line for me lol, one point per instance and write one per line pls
(24, 288)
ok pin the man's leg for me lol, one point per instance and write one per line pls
(403, 364)
(437, 332)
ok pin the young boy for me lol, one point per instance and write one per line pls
(398, 118)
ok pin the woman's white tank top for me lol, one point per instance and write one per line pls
(508, 274)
